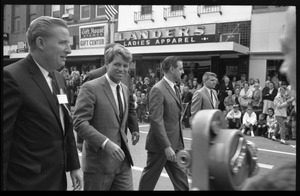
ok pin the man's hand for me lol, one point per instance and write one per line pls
(170, 154)
(114, 150)
(135, 137)
(77, 180)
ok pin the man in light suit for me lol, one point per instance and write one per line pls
(100, 118)
(38, 139)
(206, 97)
(132, 123)
(165, 139)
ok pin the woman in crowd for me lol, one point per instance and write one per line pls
(225, 86)
(268, 96)
(257, 100)
(246, 95)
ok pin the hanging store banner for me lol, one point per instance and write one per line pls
(92, 36)
(168, 36)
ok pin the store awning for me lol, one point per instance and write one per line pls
(210, 48)
(214, 48)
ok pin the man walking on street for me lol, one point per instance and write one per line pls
(165, 139)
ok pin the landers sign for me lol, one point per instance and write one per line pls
(168, 36)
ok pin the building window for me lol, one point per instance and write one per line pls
(174, 11)
(69, 9)
(85, 11)
(243, 28)
(32, 13)
(146, 9)
(176, 7)
(100, 10)
(273, 67)
(55, 11)
(16, 24)
(16, 18)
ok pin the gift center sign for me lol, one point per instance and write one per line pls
(92, 36)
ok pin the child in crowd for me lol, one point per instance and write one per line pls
(262, 125)
(271, 122)
(249, 121)
(234, 117)
(229, 101)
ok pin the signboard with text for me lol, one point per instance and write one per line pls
(168, 36)
(92, 36)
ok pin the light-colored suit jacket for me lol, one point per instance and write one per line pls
(96, 119)
(202, 100)
(164, 112)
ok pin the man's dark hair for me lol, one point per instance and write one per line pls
(168, 62)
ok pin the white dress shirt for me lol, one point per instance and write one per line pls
(48, 79)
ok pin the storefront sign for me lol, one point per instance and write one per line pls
(92, 36)
(168, 36)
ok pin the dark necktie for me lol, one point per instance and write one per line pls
(212, 97)
(120, 103)
(177, 92)
(54, 85)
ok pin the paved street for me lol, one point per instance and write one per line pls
(271, 155)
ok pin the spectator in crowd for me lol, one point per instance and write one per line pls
(190, 83)
(262, 128)
(275, 80)
(233, 117)
(249, 121)
(100, 118)
(146, 86)
(164, 138)
(194, 87)
(142, 107)
(139, 83)
(251, 84)
(75, 84)
(241, 82)
(236, 95)
(184, 79)
(268, 96)
(257, 102)
(38, 139)
(281, 104)
(206, 97)
(187, 101)
(152, 78)
(283, 177)
(229, 101)
(246, 95)
(233, 82)
(225, 86)
(271, 123)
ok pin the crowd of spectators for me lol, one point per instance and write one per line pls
(271, 108)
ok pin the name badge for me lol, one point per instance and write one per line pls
(62, 98)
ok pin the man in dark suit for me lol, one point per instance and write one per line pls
(100, 117)
(165, 139)
(206, 97)
(132, 123)
(38, 139)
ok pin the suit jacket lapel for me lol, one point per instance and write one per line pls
(209, 98)
(110, 96)
(38, 77)
(173, 93)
